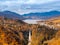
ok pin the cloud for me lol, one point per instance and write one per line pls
(28, 6)
(36, 1)
(42, 7)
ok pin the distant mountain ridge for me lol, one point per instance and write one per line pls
(37, 15)
(44, 15)
(13, 15)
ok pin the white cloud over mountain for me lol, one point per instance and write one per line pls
(27, 6)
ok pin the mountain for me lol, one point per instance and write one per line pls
(37, 15)
(13, 32)
(44, 15)
(9, 14)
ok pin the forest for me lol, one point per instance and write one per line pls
(16, 32)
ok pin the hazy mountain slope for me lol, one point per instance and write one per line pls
(37, 15)
(44, 15)
(9, 14)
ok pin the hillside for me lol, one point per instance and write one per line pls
(16, 32)
(48, 33)
(13, 15)
(13, 32)
(55, 22)
(52, 22)
(42, 15)
(36, 15)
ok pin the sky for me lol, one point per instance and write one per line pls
(29, 6)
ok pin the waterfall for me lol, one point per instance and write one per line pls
(29, 40)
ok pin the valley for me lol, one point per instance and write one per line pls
(29, 22)
(16, 29)
(16, 32)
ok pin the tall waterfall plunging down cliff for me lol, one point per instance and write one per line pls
(29, 43)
